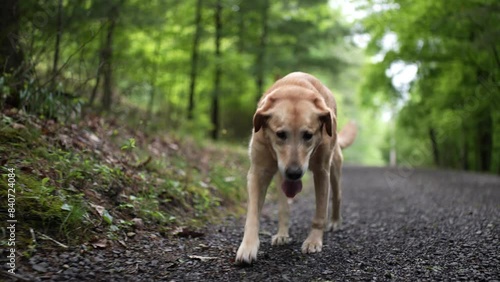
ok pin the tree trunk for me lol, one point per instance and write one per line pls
(55, 71)
(241, 27)
(485, 138)
(107, 54)
(194, 60)
(435, 148)
(262, 50)
(465, 148)
(218, 71)
(393, 156)
(11, 54)
(154, 75)
(97, 81)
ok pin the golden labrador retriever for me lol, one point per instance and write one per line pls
(295, 129)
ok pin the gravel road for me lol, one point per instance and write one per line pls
(401, 225)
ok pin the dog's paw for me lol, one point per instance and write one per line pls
(312, 246)
(247, 253)
(334, 226)
(279, 240)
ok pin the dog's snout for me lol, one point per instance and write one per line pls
(293, 173)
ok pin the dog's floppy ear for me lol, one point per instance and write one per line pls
(327, 120)
(259, 120)
(262, 114)
(326, 116)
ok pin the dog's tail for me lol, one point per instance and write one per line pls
(347, 135)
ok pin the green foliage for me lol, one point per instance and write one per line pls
(41, 100)
(39, 205)
(151, 55)
(129, 145)
(448, 112)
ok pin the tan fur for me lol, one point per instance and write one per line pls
(298, 104)
(347, 135)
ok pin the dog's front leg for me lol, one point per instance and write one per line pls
(314, 241)
(335, 221)
(258, 180)
(282, 237)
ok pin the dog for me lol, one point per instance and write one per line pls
(295, 129)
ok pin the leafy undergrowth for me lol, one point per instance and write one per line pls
(99, 180)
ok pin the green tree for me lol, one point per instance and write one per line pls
(449, 115)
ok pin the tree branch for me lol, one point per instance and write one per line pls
(72, 55)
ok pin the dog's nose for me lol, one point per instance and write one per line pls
(293, 173)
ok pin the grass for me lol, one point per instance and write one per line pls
(93, 179)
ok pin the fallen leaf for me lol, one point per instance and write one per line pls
(102, 243)
(99, 209)
(16, 125)
(66, 207)
(65, 140)
(92, 137)
(138, 222)
(107, 217)
(173, 146)
(229, 179)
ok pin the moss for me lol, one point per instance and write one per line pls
(45, 208)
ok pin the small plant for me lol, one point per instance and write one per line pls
(49, 103)
(43, 207)
(129, 145)
(147, 207)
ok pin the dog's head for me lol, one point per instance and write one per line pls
(294, 123)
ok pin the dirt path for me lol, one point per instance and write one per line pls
(429, 225)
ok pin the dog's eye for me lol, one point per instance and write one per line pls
(307, 136)
(281, 135)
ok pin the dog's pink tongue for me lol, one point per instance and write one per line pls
(291, 188)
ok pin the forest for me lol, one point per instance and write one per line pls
(196, 65)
